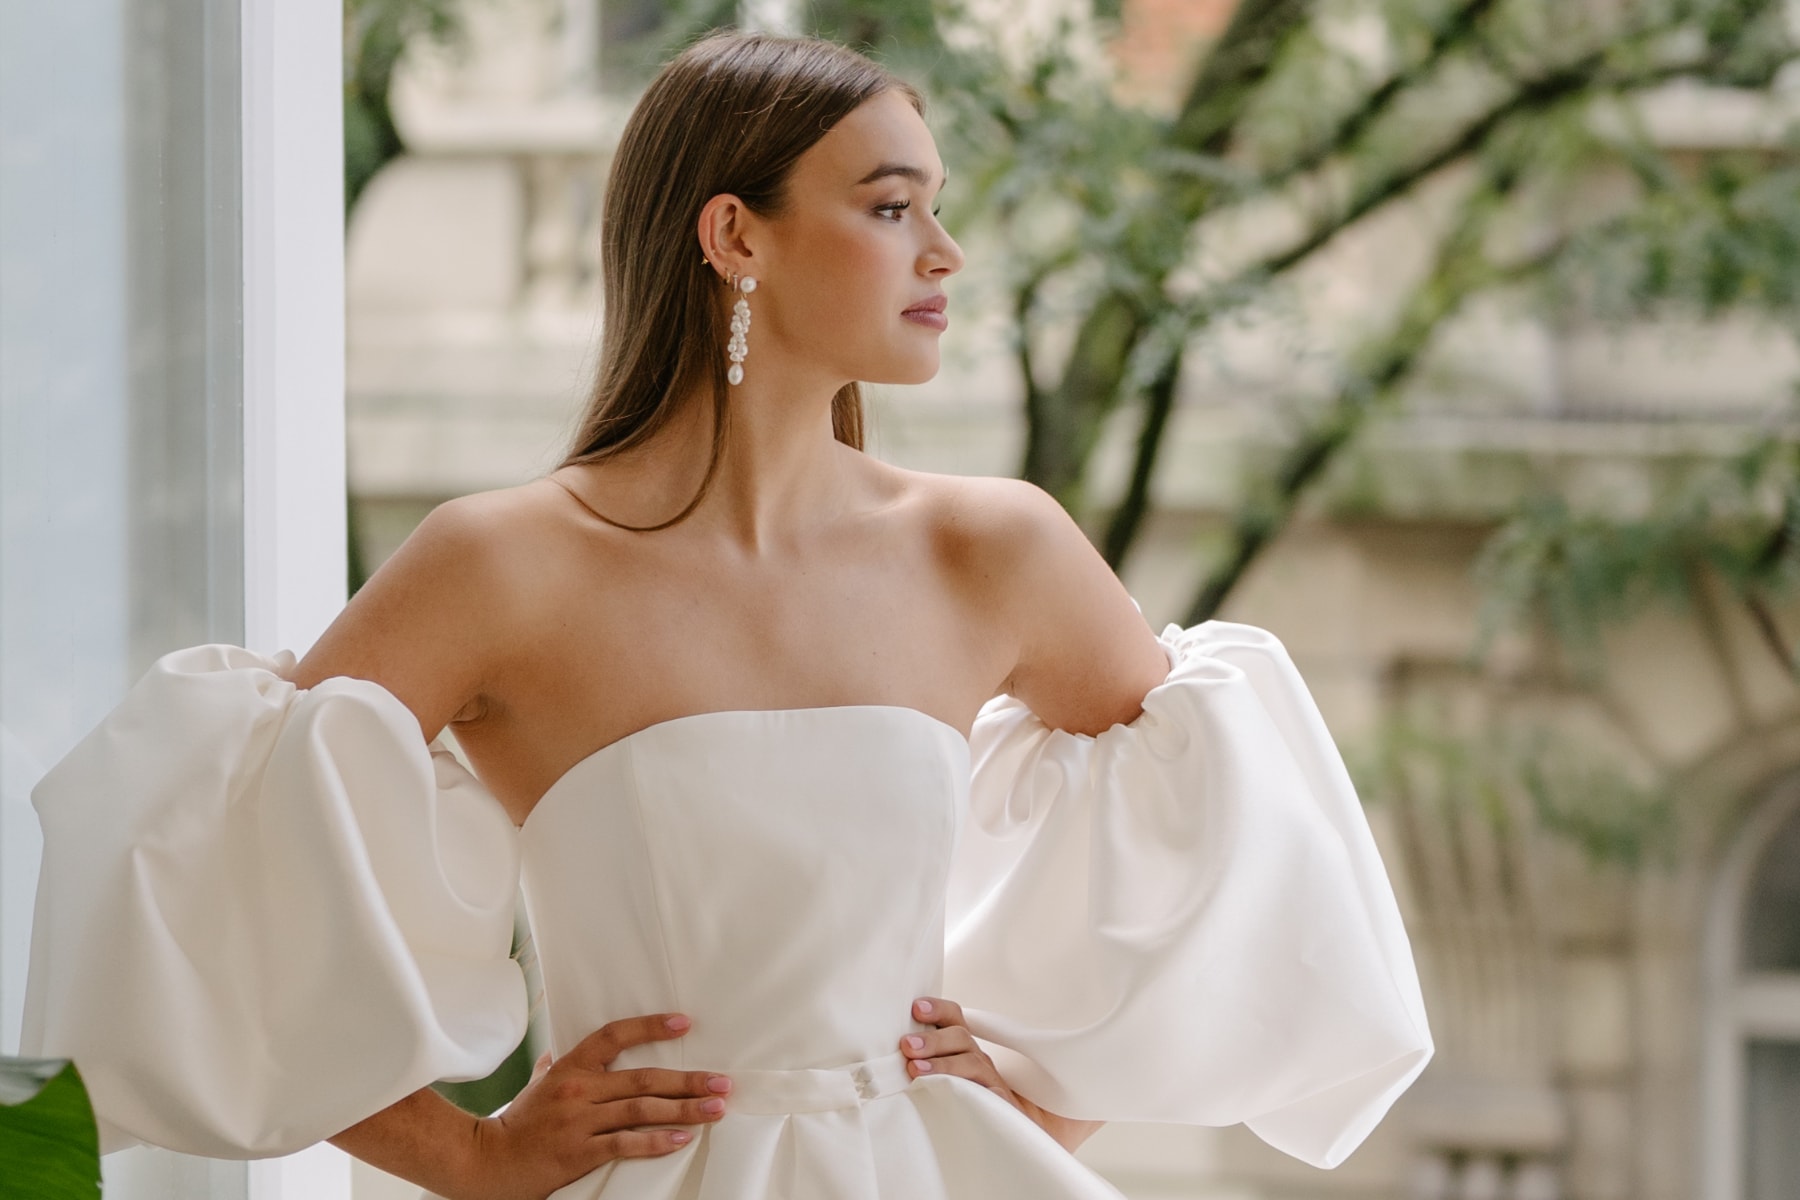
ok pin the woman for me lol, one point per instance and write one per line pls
(806, 753)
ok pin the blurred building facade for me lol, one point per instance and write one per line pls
(1607, 1030)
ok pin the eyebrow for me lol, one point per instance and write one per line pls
(905, 170)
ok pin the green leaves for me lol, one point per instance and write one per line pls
(49, 1147)
(1579, 572)
(376, 33)
(1723, 237)
(1519, 775)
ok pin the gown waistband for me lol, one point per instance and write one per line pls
(768, 1092)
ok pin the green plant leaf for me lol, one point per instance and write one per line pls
(49, 1145)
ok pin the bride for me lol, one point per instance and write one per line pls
(872, 843)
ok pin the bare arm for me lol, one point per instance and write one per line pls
(424, 1139)
(574, 1116)
(1079, 653)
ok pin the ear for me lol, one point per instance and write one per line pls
(729, 234)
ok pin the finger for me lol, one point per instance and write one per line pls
(639, 1143)
(540, 1066)
(657, 1081)
(935, 1010)
(976, 1067)
(935, 1043)
(597, 1050)
(638, 1111)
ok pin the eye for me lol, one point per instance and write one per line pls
(900, 206)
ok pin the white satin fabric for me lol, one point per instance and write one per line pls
(267, 913)
(1196, 894)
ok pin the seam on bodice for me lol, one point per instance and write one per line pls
(653, 869)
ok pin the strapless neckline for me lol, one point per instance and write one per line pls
(713, 716)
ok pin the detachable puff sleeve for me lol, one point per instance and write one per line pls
(267, 912)
(1185, 919)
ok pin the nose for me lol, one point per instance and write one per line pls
(944, 257)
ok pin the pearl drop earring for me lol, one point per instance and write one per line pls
(736, 348)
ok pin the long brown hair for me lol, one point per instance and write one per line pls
(732, 113)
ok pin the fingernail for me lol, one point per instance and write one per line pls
(679, 1136)
(925, 1007)
(712, 1106)
(916, 1043)
(924, 1064)
(677, 1023)
(718, 1083)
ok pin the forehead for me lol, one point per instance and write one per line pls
(882, 129)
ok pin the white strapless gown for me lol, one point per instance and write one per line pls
(266, 913)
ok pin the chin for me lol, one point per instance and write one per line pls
(915, 371)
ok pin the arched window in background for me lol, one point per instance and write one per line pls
(1770, 1003)
(1750, 1102)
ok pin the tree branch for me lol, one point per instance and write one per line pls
(1061, 438)
(1451, 281)
(1462, 26)
(1128, 518)
(1022, 356)
(1255, 526)
(1764, 619)
(1245, 56)
(1535, 97)
(1774, 548)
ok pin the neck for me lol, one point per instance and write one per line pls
(780, 471)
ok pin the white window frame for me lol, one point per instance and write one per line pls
(293, 264)
(1738, 1005)
(293, 355)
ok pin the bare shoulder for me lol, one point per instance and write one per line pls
(472, 555)
(497, 531)
(1083, 656)
(433, 622)
(1004, 535)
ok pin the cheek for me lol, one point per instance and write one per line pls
(850, 277)
(844, 285)
(850, 272)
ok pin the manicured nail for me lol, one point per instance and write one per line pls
(925, 1007)
(924, 1064)
(718, 1083)
(680, 1135)
(712, 1106)
(678, 1023)
(915, 1043)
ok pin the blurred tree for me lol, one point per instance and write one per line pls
(1318, 116)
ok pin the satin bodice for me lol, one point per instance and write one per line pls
(777, 875)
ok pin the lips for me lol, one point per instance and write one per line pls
(929, 313)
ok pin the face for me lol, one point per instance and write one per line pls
(855, 248)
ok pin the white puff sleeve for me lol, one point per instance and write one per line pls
(267, 912)
(1185, 919)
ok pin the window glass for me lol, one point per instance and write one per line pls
(120, 396)
(1772, 1114)
(1772, 916)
